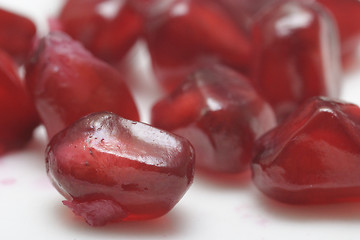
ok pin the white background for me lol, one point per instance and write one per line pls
(31, 208)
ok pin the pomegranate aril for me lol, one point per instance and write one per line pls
(112, 169)
(190, 32)
(219, 112)
(19, 117)
(313, 157)
(347, 15)
(81, 20)
(67, 83)
(296, 55)
(107, 28)
(16, 35)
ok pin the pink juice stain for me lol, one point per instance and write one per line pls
(7, 181)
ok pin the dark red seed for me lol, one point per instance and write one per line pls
(67, 83)
(347, 15)
(190, 32)
(112, 169)
(221, 115)
(16, 35)
(18, 118)
(296, 55)
(313, 157)
(107, 28)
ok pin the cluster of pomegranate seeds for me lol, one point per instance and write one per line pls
(19, 117)
(16, 35)
(105, 27)
(313, 157)
(220, 113)
(190, 33)
(67, 83)
(113, 169)
(347, 16)
(231, 69)
(295, 55)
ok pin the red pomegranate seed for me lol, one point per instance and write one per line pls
(112, 169)
(107, 28)
(67, 83)
(221, 115)
(19, 117)
(16, 35)
(190, 32)
(313, 157)
(295, 55)
(347, 15)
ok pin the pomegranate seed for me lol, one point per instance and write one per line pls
(295, 55)
(190, 32)
(112, 169)
(221, 115)
(313, 157)
(67, 83)
(16, 35)
(19, 117)
(107, 28)
(347, 15)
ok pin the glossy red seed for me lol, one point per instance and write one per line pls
(107, 28)
(112, 169)
(190, 32)
(81, 20)
(313, 157)
(347, 15)
(295, 55)
(221, 115)
(18, 118)
(16, 35)
(67, 83)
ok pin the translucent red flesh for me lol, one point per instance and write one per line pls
(16, 35)
(190, 32)
(113, 169)
(296, 55)
(313, 157)
(67, 83)
(107, 28)
(220, 113)
(19, 117)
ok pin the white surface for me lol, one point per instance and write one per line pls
(31, 208)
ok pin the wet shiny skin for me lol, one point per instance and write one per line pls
(296, 55)
(313, 157)
(347, 16)
(106, 28)
(67, 83)
(221, 115)
(189, 33)
(104, 159)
